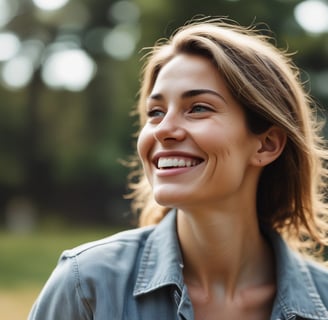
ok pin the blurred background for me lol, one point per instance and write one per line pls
(69, 77)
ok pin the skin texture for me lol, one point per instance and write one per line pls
(211, 164)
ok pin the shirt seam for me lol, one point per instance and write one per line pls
(83, 300)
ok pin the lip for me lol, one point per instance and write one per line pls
(175, 154)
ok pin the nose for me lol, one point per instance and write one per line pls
(170, 129)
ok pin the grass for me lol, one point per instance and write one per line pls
(27, 261)
(15, 304)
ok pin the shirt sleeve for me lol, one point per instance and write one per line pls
(62, 296)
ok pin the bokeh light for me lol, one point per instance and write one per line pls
(124, 11)
(9, 44)
(121, 41)
(8, 9)
(70, 69)
(17, 72)
(312, 16)
(50, 4)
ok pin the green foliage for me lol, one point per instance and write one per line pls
(28, 259)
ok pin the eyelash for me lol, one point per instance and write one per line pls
(154, 113)
(204, 107)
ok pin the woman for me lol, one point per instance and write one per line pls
(231, 154)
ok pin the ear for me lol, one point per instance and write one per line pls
(271, 144)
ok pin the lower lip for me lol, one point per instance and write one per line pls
(174, 171)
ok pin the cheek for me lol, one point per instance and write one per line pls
(216, 143)
(226, 145)
(144, 144)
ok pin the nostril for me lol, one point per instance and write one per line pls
(168, 134)
(169, 138)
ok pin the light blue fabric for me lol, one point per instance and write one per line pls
(137, 274)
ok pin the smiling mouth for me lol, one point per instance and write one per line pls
(177, 162)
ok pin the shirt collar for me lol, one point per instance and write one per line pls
(296, 292)
(161, 262)
(161, 265)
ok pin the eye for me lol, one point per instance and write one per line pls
(155, 113)
(200, 108)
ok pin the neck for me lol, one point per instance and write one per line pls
(225, 250)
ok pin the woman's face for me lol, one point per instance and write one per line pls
(195, 146)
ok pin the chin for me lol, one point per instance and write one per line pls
(169, 199)
(164, 201)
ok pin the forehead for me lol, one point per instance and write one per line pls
(189, 72)
(186, 65)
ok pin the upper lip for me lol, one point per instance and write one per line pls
(177, 154)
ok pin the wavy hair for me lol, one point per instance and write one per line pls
(266, 83)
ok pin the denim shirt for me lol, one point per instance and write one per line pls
(137, 274)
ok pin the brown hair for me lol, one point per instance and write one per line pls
(263, 79)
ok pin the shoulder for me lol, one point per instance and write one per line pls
(118, 246)
(301, 283)
(106, 266)
(94, 277)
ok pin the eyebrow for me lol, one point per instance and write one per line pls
(190, 94)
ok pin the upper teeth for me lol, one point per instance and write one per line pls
(176, 162)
